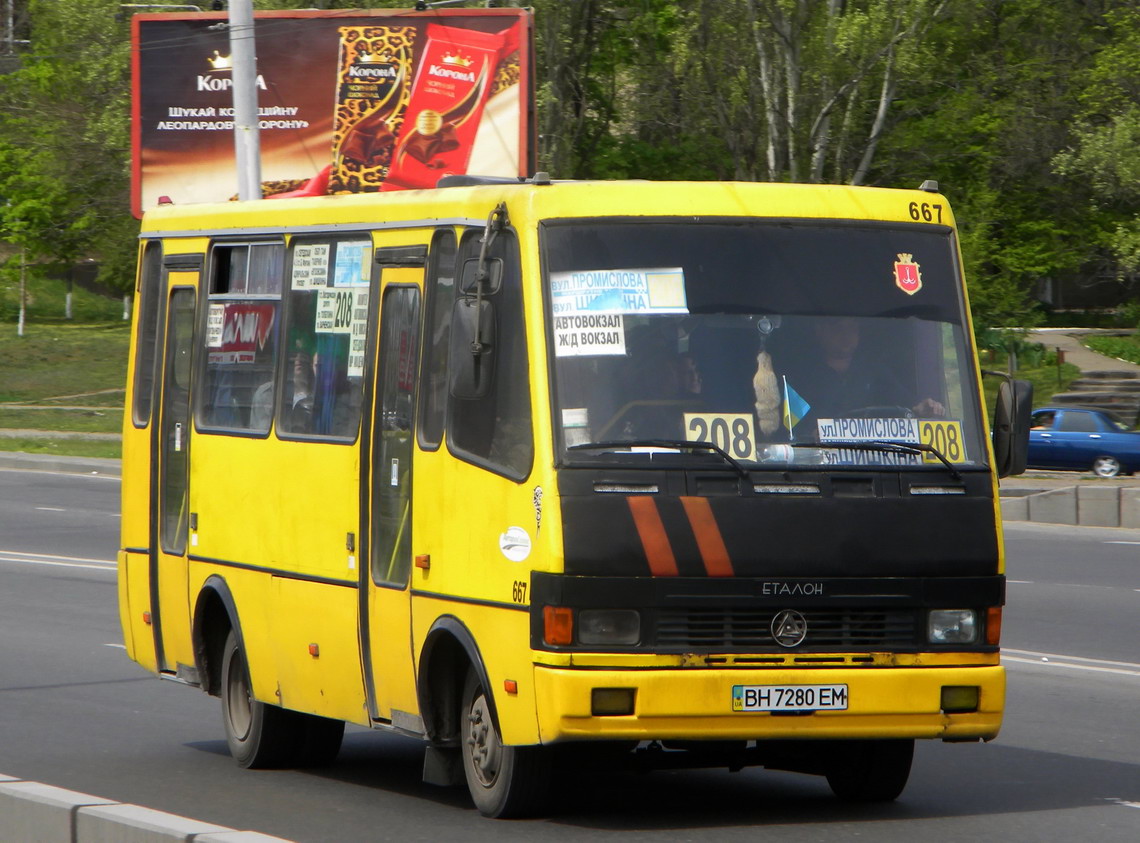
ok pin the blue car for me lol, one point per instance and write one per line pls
(1079, 440)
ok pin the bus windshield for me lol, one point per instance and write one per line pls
(790, 343)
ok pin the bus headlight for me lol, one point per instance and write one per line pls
(609, 627)
(952, 626)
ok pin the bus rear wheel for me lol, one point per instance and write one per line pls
(261, 735)
(871, 771)
(504, 781)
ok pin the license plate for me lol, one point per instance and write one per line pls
(789, 697)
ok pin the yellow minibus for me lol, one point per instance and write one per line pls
(673, 474)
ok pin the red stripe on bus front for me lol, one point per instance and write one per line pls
(714, 553)
(650, 528)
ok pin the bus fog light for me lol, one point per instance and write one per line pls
(953, 626)
(609, 626)
(612, 702)
(958, 699)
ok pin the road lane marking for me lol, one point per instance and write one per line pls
(50, 509)
(58, 561)
(1065, 585)
(1070, 662)
(1121, 542)
(1122, 802)
(116, 646)
(54, 556)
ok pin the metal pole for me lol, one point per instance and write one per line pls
(23, 291)
(247, 143)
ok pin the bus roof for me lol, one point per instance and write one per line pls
(529, 203)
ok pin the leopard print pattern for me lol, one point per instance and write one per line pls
(272, 188)
(349, 175)
(508, 73)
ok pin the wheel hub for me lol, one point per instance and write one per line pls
(239, 706)
(483, 747)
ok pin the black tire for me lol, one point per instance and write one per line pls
(504, 781)
(259, 735)
(871, 771)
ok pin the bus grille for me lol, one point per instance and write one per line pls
(728, 628)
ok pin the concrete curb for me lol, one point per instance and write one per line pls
(31, 812)
(1085, 506)
(60, 464)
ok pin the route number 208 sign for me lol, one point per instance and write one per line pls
(731, 432)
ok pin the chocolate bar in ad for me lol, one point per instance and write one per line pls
(373, 88)
(450, 89)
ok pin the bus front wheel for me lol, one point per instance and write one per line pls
(504, 781)
(258, 735)
(871, 771)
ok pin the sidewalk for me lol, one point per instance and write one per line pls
(1068, 340)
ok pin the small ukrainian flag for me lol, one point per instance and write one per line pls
(795, 408)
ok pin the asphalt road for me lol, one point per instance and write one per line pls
(76, 713)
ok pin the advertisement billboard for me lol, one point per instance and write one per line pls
(348, 102)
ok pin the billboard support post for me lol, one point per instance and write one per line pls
(247, 141)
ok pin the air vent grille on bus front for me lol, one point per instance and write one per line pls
(732, 629)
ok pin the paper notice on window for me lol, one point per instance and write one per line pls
(334, 312)
(215, 325)
(352, 263)
(359, 333)
(589, 335)
(310, 266)
(648, 291)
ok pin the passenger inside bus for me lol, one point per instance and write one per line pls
(299, 396)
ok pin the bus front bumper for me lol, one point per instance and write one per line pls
(698, 704)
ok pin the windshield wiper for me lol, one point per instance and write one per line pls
(885, 446)
(675, 444)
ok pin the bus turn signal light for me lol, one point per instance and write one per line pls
(558, 625)
(993, 625)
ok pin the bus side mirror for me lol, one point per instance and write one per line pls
(1011, 427)
(471, 356)
(491, 276)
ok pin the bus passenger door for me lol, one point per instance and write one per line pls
(386, 610)
(170, 606)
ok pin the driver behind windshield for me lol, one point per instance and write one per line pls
(837, 377)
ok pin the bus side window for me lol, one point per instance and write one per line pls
(326, 322)
(440, 288)
(242, 313)
(150, 306)
(495, 430)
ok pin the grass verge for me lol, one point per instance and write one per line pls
(62, 360)
(63, 364)
(63, 447)
(1120, 348)
(88, 420)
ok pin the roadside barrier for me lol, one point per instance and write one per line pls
(31, 812)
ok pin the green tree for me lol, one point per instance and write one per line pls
(994, 106)
(65, 140)
(1105, 153)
